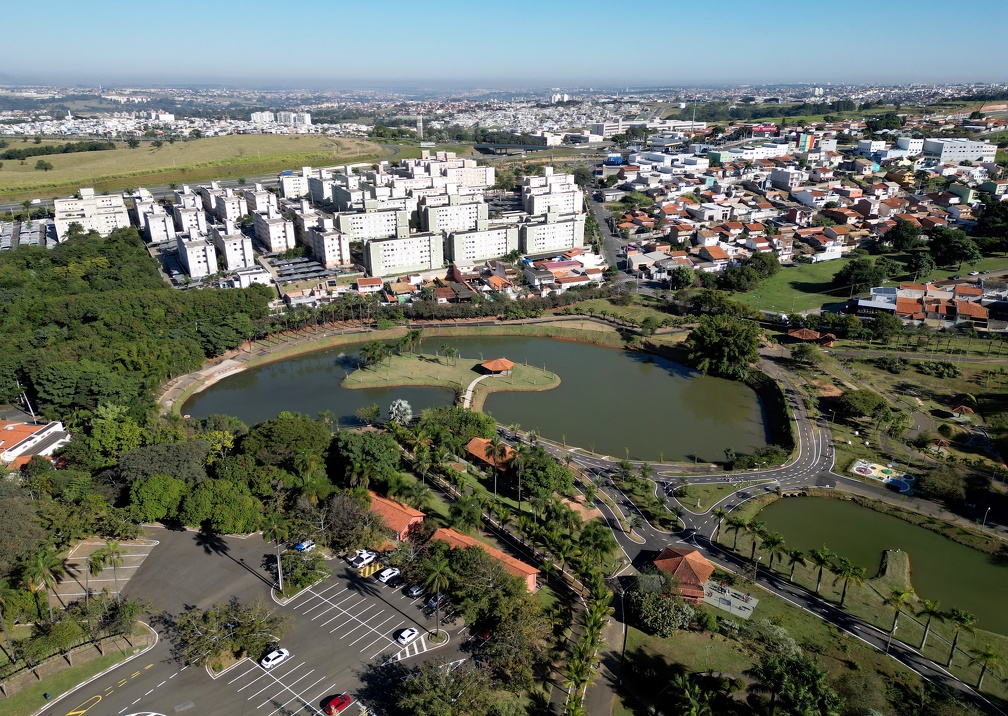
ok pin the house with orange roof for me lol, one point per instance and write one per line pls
(480, 449)
(19, 439)
(456, 540)
(401, 519)
(690, 569)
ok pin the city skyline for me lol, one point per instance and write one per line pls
(451, 44)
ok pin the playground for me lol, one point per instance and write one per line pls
(889, 474)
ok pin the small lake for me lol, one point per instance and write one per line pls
(940, 568)
(609, 400)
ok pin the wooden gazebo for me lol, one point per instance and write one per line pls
(804, 334)
(498, 365)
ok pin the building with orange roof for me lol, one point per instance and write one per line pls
(24, 440)
(401, 519)
(479, 448)
(456, 540)
(689, 568)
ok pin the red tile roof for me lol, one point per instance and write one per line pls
(690, 569)
(457, 540)
(397, 516)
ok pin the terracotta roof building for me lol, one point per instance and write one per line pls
(498, 365)
(457, 540)
(21, 439)
(479, 448)
(804, 334)
(401, 519)
(690, 569)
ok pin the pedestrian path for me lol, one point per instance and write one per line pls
(469, 391)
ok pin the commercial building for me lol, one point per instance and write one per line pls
(102, 213)
(959, 150)
(419, 252)
(481, 244)
(197, 256)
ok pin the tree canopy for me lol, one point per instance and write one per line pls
(724, 345)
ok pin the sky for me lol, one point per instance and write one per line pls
(434, 44)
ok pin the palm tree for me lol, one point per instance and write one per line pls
(719, 513)
(41, 573)
(736, 525)
(988, 657)
(757, 530)
(644, 470)
(896, 599)
(437, 577)
(773, 543)
(931, 610)
(498, 453)
(821, 558)
(520, 460)
(275, 530)
(418, 495)
(795, 557)
(962, 620)
(633, 521)
(678, 511)
(114, 553)
(624, 468)
(3, 622)
(847, 571)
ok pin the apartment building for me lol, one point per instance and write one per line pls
(101, 213)
(189, 220)
(551, 192)
(457, 215)
(553, 232)
(274, 232)
(419, 252)
(229, 206)
(158, 226)
(197, 256)
(262, 118)
(234, 248)
(374, 224)
(294, 118)
(258, 199)
(295, 186)
(330, 247)
(481, 245)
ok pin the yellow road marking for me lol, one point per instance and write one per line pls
(123, 681)
(135, 674)
(86, 706)
(148, 666)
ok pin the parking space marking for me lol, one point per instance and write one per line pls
(312, 685)
(252, 668)
(356, 617)
(362, 601)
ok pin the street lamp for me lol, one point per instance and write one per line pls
(889, 640)
(985, 518)
(755, 569)
(758, 468)
(832, 416)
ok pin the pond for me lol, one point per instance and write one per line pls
(609, 400)
(943, 570)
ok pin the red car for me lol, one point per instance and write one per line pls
(337, 704)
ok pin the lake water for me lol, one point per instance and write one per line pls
(941, 569)
(609, 400)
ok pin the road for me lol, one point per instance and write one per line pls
(337, 628)
(813, 466)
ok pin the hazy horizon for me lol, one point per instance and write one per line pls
(439, 45)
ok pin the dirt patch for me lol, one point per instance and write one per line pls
(586, 513)
(827, 389)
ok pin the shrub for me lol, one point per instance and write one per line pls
(893, 364)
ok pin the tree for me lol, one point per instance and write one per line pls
(719, 514)
(756, 531)
(736, 525)
(466, 513)
(40, 574)
(275, 529)
(988, 657)
(724, 345)
(680, 277)
(847, 571)
(952, 246)
(437, 578)
(773, 544)
(596, 541)
(904, 236)
(157, 498)
(797, 682)
(859, 275)
(943, 482)
(821, 558)
(367, 414)
(221, 506)
(963, 620)
(400, 412)
(112, 556)
(931, 610)
(435, 689)
(921, 265)
(859, 403)
(795, 557)
(133, 142)
(42, 165)
(883, 326)
(807, 354)
(766, 264)
(896, 599)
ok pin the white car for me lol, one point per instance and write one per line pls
(356, 555)
(407, 635)
(388, 573)
(274, 658)
(364, 560)
(305, 546)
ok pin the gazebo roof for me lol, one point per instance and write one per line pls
(962, 410)
(804, 334)
(690, 568)
(498, 365)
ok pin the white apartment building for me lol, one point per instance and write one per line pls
(100, 213)
(294, 186)
(187, 198)
(230, 206)
(235, 249)
(959, 150)
(471, 175)
(374, 224)
(189, 220)
(552, 233)
(331, 248)
(258, 199)
(273, 231)
(480, 245)
(294, 118)
(262, 118)
(454, 216)
(158, 226)
(551, 192)
(209, 195)
(419, 252)
(197, 256)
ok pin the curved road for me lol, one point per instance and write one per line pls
(813, 466)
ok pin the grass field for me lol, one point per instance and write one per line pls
(806, 287)
(197, 160)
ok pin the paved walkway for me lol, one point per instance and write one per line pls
(467, 400)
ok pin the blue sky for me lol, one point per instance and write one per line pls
(518, 43)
